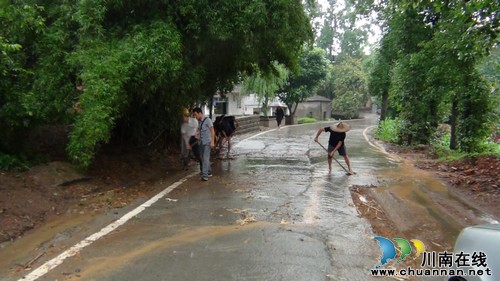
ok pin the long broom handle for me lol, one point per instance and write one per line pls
(333, 157)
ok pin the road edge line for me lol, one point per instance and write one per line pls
(380, 148)
(51, 264)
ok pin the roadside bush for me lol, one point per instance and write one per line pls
(18, 163)
(305, 120)
(490, 148)
(13, 163)
(442, 136)
(388, 130)
(441, 145)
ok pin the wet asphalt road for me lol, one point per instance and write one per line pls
(272, 212)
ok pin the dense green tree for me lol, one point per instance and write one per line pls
(351, 44)
(416, 106)
(409, 90)
(21, 22)
(350, 89)
(465, 33)
(326, 87)
(124, 69)
(436, 74)
(304, 82)
(343, 39)
(330, 30)
(404, 32)
(489, 69)
(341, 36)
(379, 79)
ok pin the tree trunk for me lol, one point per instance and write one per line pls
(210, 107)
(385, 102)
(265, 104)
(453, 125)
(294, 109)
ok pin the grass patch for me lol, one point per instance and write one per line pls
(305, 120)
(388, 130)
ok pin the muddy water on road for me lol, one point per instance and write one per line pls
(423, 206)
(36, 246)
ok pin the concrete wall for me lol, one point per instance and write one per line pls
(320, 110)
(247, 124)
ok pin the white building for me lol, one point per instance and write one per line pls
(241, 104)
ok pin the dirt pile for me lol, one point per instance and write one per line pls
(477, 178)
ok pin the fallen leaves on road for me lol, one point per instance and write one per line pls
(247, 218)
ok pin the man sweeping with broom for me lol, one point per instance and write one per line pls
(336, 143)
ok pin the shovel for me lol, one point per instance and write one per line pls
(348, 173)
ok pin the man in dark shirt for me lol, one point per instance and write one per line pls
(336, 143)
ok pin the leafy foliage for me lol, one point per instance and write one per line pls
(344, 39)
(111, 69)
(9, 162)
(123, 70)
(388, 130)
(349, 87)
(489, 69)
(467, 39)
(428, 61)
(306, 120)
(411, 97)
(266, 85)
(303, 83)
(341, 36)
(18, 163)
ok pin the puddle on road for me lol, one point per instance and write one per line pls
(420, 202)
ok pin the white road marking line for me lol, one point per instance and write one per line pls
(51, 264)
(378, 147)
(365, 135)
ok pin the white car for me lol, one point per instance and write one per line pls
(477, 254)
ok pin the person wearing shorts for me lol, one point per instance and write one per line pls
(336, 143)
